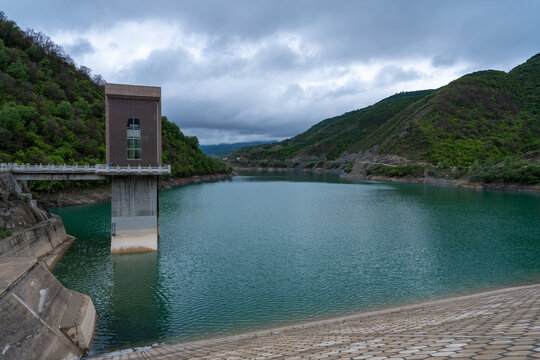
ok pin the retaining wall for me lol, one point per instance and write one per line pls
(39, 318)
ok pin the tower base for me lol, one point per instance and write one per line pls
(134, 210)
(129, 243)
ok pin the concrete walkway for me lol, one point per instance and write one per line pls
(492, 325)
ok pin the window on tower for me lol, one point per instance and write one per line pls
(133, 139)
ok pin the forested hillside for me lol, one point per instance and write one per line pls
(52, 111)
(333, 136)
(184, 154)
(483, 116)
(484, 119)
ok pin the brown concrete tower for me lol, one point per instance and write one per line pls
(133, 125)
(133, 141)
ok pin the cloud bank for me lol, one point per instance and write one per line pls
(259, 70)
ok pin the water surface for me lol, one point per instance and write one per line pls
(266, 250)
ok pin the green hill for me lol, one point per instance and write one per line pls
(481, 118)
(221, 150)
(487, 115)
(52, 111)
(333, 136)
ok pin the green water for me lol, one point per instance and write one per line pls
(259, 251)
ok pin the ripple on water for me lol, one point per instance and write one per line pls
(258, 252)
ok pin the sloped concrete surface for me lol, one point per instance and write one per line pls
(502, 324)
(33, 308)
(39, 318)
(13, 269)
(39, 240)
(79, 320)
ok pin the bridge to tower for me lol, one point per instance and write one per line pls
(133, 144)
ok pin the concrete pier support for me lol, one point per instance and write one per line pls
(134, 214)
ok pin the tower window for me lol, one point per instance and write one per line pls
(133, 139)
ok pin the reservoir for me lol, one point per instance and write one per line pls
(265, 250)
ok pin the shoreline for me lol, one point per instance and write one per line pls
(235, 335)
(462, 183)
(400, 311)
(102, 193)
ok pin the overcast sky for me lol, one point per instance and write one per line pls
(259, 70)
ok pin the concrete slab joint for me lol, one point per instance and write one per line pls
(79, 320)
(61, 322)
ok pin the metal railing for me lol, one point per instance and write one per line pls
(49, 168)
(101, 169)
(150, 170)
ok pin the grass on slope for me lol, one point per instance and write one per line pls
(331, 137)
(478, 117)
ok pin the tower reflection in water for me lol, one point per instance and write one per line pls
(139, 312)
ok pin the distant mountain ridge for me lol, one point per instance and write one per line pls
(223, 149)
(481, 117)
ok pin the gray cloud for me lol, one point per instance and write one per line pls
(392, 74)
(352, 87)
(281, 88)
(274, 57)
(361, 29)
(443, 60)
(227, 117)
(80, 47)
(159, 67)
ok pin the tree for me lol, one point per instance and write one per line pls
(98, 80)
(18, 71)
(8, 30)
(65, 110)
(34, 52)
(10, 118)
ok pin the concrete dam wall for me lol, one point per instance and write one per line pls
(40, 318)
(45, 241)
